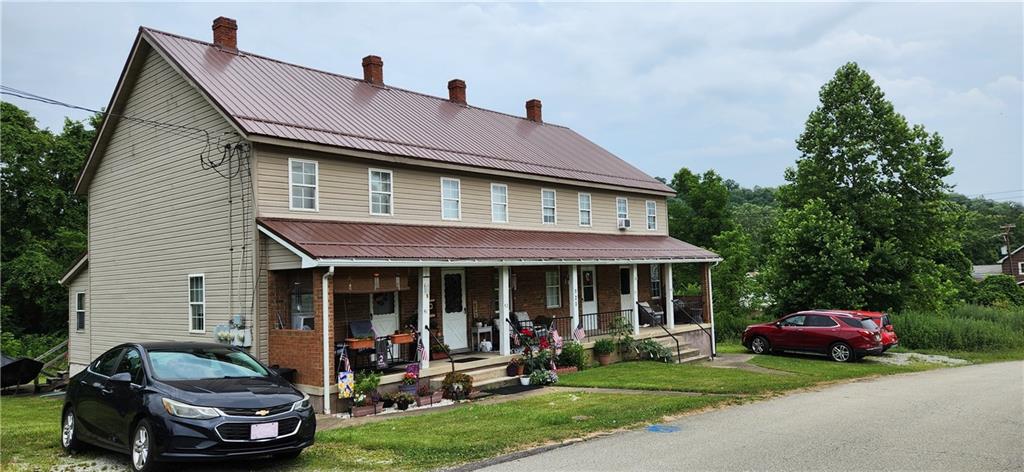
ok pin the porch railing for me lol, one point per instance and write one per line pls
(682, 308)
(594, 324)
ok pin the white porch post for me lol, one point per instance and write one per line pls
(634, 298)
(711, 313)
(423, 320)
(667, 294)
(503, 309)
(574, 299)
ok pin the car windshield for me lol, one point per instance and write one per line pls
(868, 324)
(202, 364)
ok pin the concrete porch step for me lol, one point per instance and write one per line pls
(496, 382)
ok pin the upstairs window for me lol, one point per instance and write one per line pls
(655, 281)
(197, 303)
(652, 214)
(499, 203)
(584, 209)
(553, 290)
(622, 209)
(302, 182)
(547, 206)
(451, 199)
(80, 311)
(380, 192)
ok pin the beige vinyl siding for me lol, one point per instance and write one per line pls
(344, 195)
(78, 341)
(279, 257)
(156, 216)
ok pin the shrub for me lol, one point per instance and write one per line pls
(653, 350)
(967, 328)
(29, 345)
(731, 325)
(604, 347)
(999, 290)
(543, 377)
(573, 355)
(457, 385)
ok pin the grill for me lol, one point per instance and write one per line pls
(274, 410)
(240, 431)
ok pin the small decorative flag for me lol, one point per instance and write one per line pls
(557, 341)
(346, 380)
(579, 334)
(421, 350)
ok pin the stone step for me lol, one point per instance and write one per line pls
(496, 382)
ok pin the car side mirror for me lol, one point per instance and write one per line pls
(121, 377)
(778, 324)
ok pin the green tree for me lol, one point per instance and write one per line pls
(698, 213)
(736, 290)
(999, 290)
(814, 261)
(883, 178)
(43, 221)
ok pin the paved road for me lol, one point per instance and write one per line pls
(967, 418)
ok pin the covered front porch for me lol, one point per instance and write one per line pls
(460, 314)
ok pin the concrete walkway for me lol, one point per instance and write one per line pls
(740, 361)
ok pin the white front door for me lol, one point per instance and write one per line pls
(625, 289)
(453, 308)
(384, 315)
(588, 292)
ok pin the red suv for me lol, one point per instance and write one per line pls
(889, 338)
(841, 336)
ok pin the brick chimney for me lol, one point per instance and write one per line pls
(457, 91)
(225, 32)
(533, 110)
(373, 70)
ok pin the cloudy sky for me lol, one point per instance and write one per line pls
(724, 87)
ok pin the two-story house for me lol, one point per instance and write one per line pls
(238, 198)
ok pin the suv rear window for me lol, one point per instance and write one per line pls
(868, 324)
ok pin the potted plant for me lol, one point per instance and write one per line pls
(423, 395)
(359, 343)
(409, 381)
(457, 385)
(603, 349)
(389, 399)
(515, 367)
(438, 351)
(543, 377)
(572, 358)
(365, 394)
(403, 400)
(363, 405)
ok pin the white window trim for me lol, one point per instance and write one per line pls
(316, 185)
(493, 186)
(554, 201)
(590, 208)
(647, 212)
(656, 270)
(557, 286)
(458, 199)
(369, 189)
(79, 309)
(188, 298)
(618, 219)
(1020, 268)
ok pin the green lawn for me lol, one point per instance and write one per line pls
(29, 433)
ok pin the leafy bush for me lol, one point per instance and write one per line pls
(730, 325)
(604, 347)
(573, 355)
(653, 350)
(999, 290)
(543, 377)
(29, 345)
(457, 385)
(967, 328)
(540, 360)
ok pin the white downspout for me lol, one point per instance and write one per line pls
(711, 313)
(327, 340)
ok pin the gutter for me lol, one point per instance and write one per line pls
(326, 341)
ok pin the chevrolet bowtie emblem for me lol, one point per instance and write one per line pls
(262, 412)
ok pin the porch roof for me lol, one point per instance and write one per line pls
(324, 243)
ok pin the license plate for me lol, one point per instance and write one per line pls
(263, 431)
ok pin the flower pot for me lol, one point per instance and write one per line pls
(566, 370)
(438, 355)
(401, 338)
(364, 410)
(437, 396)
(604, 359)
(403, 406)
(423, 400)
(520, 369)
(354, 343)
(524, 381)
(407, 388)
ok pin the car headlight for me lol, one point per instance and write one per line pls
(184, 410)
(302, 404)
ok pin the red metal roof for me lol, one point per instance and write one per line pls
(271, 98)
(344, 240)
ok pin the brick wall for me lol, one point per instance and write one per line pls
(608, 295)
(297, 349)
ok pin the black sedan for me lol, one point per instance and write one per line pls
(184, 402)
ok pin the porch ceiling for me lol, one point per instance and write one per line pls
(349, 243)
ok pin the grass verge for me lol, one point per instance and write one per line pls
(30, 433)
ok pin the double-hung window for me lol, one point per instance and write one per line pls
(622, 209)
(451, 199)
(302, 185)
(499, 203)
(196, 303)
(381, 192)
(80, 311)
(584, 209)
(547, 206)
(652, 215)
(655, 281)
(553, 289)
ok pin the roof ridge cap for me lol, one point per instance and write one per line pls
(343, 76)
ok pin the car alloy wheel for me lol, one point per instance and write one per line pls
(140, 447)
(841, 352)
(67, 434)
(759, 345)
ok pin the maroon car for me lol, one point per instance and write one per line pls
(841, 336)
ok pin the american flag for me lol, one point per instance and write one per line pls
(578, 334)
(421, 349)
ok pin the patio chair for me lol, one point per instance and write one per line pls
(648, 316)
(522, 321)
